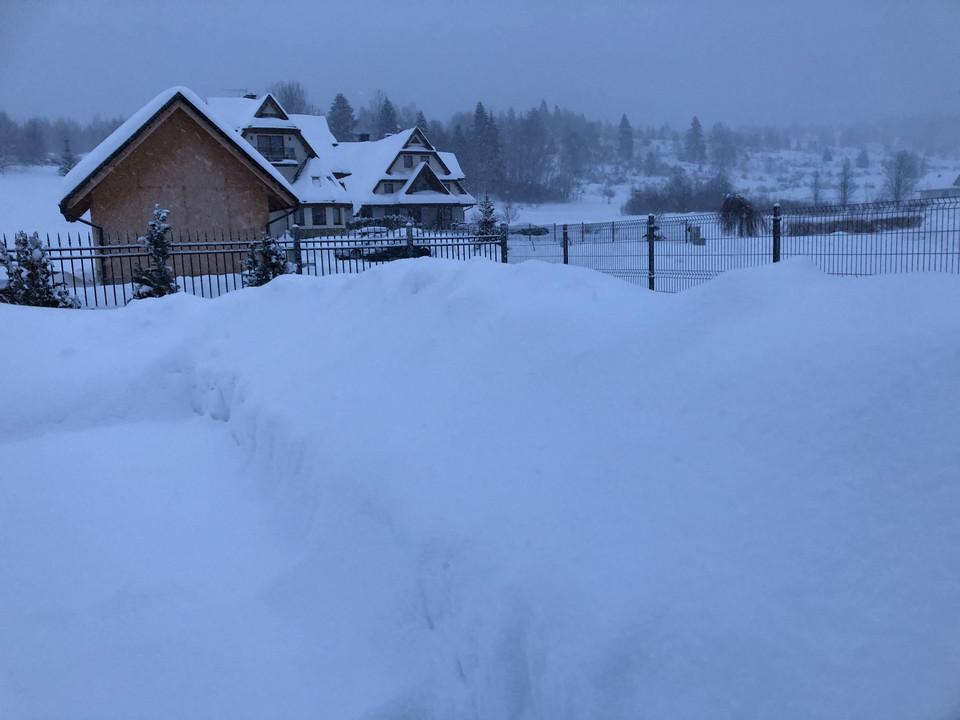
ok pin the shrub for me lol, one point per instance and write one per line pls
(265, 260)
(29, 274)
(156, 280)
(737, 214)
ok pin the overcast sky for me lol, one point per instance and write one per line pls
(741, 62)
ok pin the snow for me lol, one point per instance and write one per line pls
(442, 489)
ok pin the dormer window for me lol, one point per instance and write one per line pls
(388, 188)
(425, 159)
(408, 161)
(271, 147)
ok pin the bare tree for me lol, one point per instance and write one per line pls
(900, 175)
(845, 186)
(816, 186)
(293, 97)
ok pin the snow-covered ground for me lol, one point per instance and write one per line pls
(463, 489)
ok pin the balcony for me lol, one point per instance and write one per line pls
(278, 155)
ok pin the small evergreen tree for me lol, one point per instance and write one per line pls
(487, 222)
(265, 260)
(67, 158)
(863, 160)
(29, 274)
(156, 280)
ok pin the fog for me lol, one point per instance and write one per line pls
(657, 61)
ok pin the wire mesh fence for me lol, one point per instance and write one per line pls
(670, 253)
(210, 265)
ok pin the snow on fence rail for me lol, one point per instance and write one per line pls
(209, 265)
(667, 253)
(687, 250)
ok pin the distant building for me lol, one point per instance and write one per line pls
(948, 192)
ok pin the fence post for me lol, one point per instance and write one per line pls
(409, 240)
(651, 237)
(776, 232)
(296, 249)
(566, 246)
(504, 234)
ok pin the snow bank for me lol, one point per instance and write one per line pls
(444, 489)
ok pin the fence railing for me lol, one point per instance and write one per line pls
(670, 253)
(209, 265)
(667, 253)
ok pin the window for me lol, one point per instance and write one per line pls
(298, 217)
(337, 216)
(271, 147)
(387, 188)
(319, 216)
(408, 161)
(425, 159)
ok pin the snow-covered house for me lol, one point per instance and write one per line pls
(176, 152)
(298, 146)
(403, 174)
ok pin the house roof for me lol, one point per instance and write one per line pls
(84, 175)
(315, 184)
(368, 162)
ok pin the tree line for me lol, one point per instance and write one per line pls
(548, 155)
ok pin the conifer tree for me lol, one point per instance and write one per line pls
(29, 276)
(694, 146)
(625, 140)
(421, 121)
(386, 120)
(67, 158)
(340, 119)
(155, 280)
(487, 221)
(265, 260)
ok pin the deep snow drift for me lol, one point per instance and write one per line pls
(467, 490)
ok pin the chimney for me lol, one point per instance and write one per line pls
(363, 137)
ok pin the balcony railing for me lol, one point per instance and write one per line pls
(276, 155)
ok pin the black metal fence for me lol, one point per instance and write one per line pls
(209, 265)
(670, 253)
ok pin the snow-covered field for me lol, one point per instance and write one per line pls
(470, 490)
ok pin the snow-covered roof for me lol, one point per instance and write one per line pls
(101, 155)
(368, 163)
(316, 185)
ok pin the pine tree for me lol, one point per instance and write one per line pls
(487, 222)
(67, 158)
(625, 140)
(265, 260)
(156, 280)
(421, 121)
(386, 120)
(863, 160)
(30, 277)
(694, 147)
(340, 119)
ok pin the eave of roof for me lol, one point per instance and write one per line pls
(85, 171)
